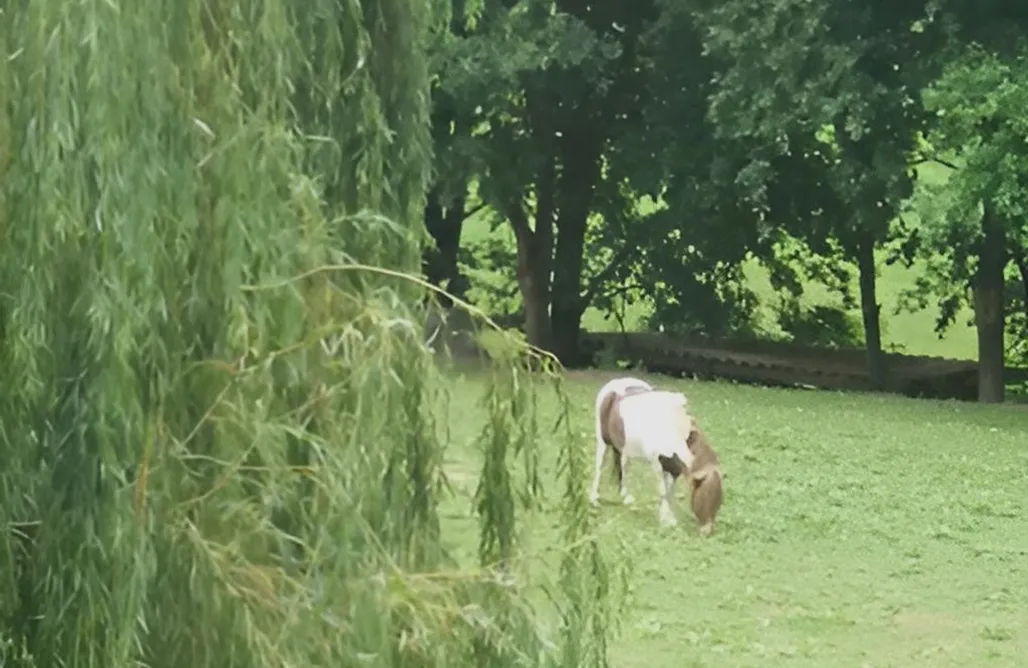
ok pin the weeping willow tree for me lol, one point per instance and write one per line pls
(217, 420)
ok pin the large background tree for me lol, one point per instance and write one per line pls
(975, 217)
(977, 221)
(846, 75)
(553, 87)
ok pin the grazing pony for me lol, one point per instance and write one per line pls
(639, 422)
(706, 480)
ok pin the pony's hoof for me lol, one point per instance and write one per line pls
(628, 499)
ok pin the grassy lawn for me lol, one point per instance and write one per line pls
(857, 530)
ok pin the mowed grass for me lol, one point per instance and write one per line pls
(857, 530)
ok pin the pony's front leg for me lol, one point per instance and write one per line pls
(664, 484)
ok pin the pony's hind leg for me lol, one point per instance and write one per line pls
(622, 467)
(601, 450)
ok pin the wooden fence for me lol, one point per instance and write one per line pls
(788, 364)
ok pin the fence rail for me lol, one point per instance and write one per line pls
(791, 364)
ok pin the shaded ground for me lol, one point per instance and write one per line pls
(858, 530)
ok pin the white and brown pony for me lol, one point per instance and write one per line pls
(639, 422)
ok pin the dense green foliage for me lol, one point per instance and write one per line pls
(219, 424)
(695, 139)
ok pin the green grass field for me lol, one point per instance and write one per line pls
(857, 530)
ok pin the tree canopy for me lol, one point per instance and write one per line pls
(705, 136)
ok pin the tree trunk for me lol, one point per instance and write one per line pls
(535, 294)
(568, 304)
(567, 330)
(989, 309)
(445, 224)
(580, 153)
(445, 214)
(871, 312)
(535, 256)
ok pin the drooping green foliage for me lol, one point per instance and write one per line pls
(218, 428)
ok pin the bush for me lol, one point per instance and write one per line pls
(820, 325)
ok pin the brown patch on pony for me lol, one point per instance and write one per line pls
(706, 478)
(673, 465)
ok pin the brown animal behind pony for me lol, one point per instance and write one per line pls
(706, 480)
